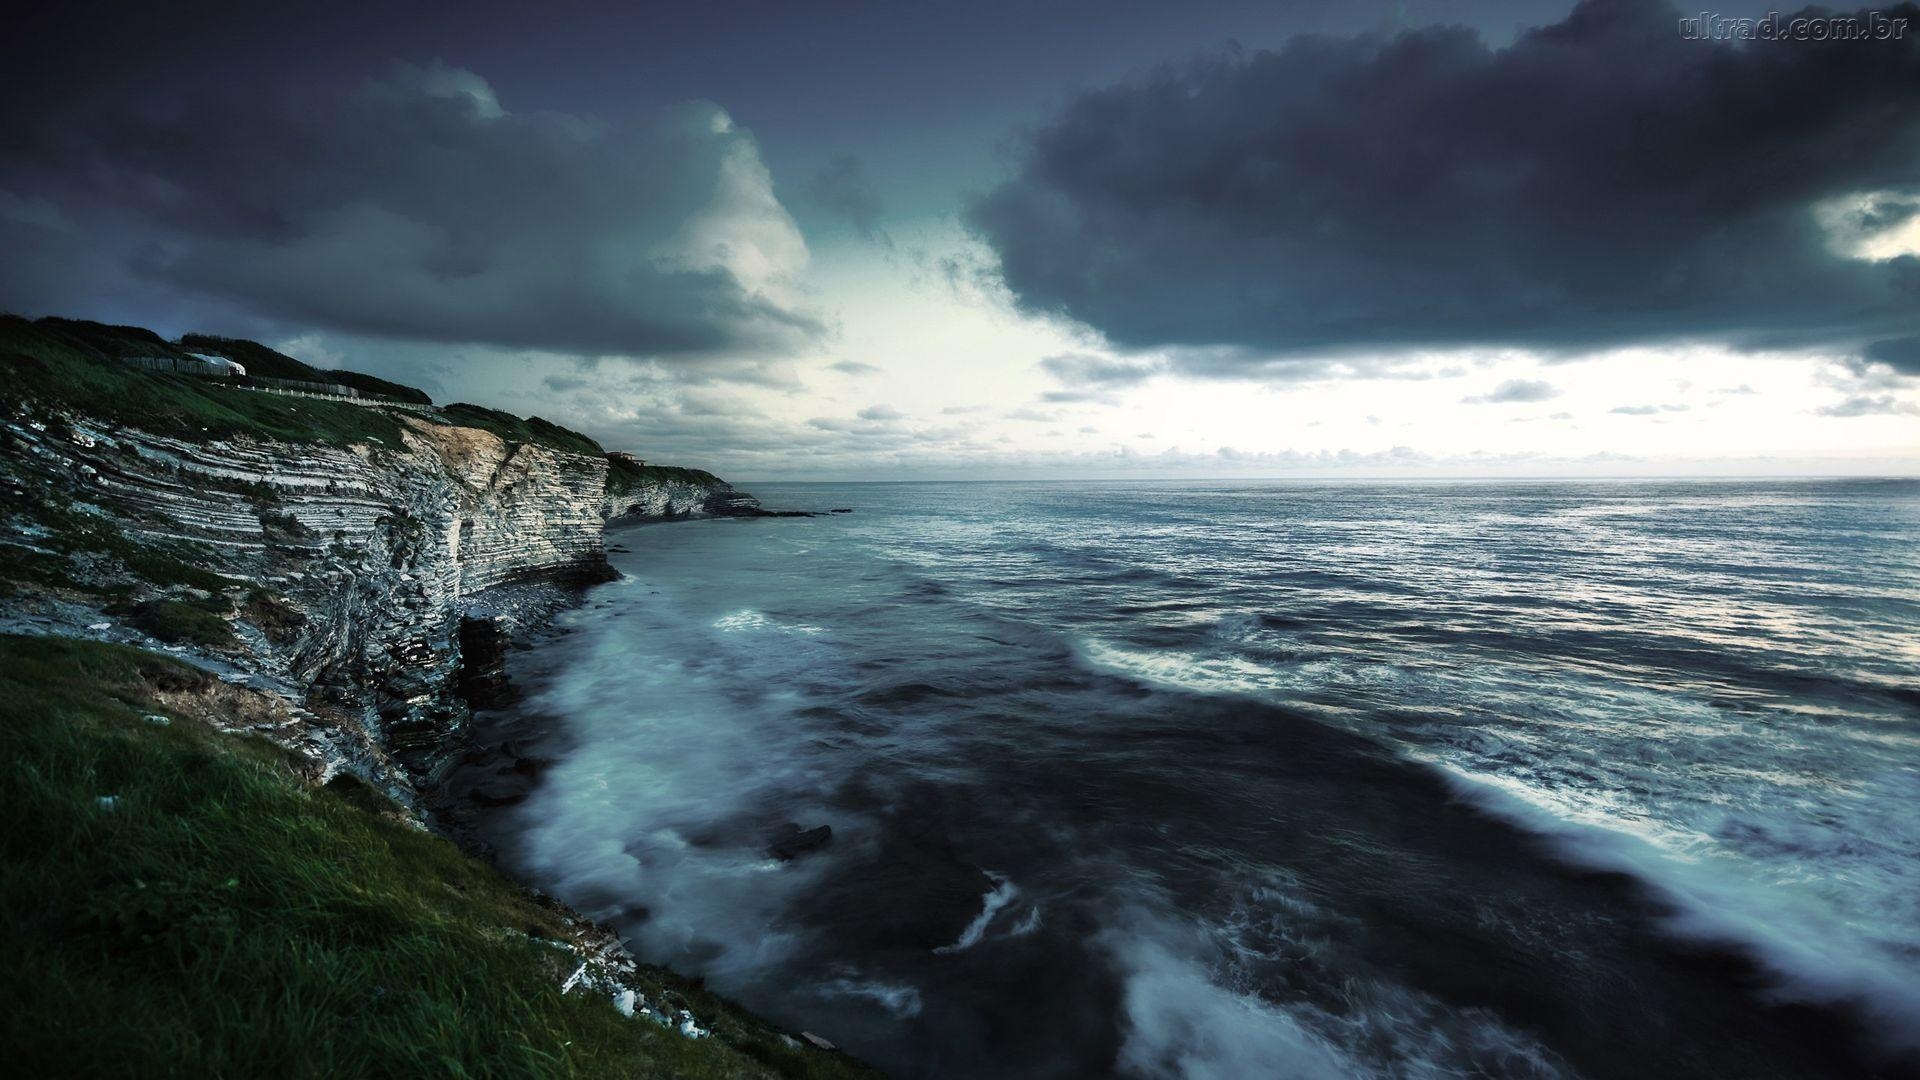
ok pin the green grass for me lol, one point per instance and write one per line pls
(280, 621)
(372, 384)
(107, 340)
(183, 622)
(222, 918)
(259, 360)
(513, 429)
(71, 364)
(621, 474)
(56, 371)
(262, 362)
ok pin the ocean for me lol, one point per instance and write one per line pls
(1261, 779)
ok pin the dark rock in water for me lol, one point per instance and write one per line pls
(503, 790)
(915, 891)
(530, 765)
(597, 572)
(483, 663)
(841, 510)
(508, 756)
(756, 512)
(794, 842)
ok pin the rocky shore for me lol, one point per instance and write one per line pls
(375, 585)
(358, 585)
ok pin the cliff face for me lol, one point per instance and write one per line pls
(353, 568)
(367, 553)
(662, 493)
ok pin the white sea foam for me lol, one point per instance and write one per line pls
(1177, 670)
(748, 619)
(1769, 806)
(901, 1001)
(1232, 995)
(1813, 955)
(1733, 819)
(1180, 1023)
(666, 751)
(1002, 894)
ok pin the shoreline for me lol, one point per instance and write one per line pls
(604, 964)
(709, 586)
(344, 581)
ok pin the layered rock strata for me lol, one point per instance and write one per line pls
(379, 583)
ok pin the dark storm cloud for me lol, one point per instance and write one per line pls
(414, 207)
(1600, 181)
(1900, 354)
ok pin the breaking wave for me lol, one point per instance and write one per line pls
(1297, 780)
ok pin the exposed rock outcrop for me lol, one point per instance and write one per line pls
(379, 551)
(379, 582)
(666, 493)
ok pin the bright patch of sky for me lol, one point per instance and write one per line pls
(931, 373)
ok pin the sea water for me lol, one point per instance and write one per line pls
(1263, 779)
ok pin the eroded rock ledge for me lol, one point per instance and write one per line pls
(374, 586)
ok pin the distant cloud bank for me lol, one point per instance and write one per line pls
(416, 207)
(1599, 182)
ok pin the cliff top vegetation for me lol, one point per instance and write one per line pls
(83, 366)
(622, 474)
(182, 901)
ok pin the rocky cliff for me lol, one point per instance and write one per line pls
(638, 492)
(364, 560)
(351, 568)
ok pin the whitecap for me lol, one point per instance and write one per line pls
(901, 1001)
(998, 897)
(1180, 1023)
(1176, 670)
(749, 619)
(1812, 955)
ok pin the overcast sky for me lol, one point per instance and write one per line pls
(897, 240)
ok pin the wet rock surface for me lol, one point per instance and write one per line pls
(791, 841)
(483, 663)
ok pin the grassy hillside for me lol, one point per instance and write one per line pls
(262, 362)
(513, 429)
(257, 358)
(63, 369)
(621, 474)
(114, 342)
(179, 902)
(104, 340)
(378, 387)
(76, 365)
